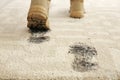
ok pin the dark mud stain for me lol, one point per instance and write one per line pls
(38, 37)
(84, 56)
(39, 29)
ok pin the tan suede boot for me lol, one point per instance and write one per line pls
(38, 15)
(77, 8)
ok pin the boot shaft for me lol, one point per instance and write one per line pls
(77, 5)
(43, 3)
(41, 6)
(77, 8)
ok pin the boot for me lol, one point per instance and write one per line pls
(77, 8)
(38, 15)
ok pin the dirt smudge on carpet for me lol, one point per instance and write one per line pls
(84, 57)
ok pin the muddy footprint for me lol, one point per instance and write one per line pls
(38, 37)
(84, 57)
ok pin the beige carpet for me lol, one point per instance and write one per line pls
(29, 56)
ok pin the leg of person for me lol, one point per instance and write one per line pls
(77, 8)
(38, 15)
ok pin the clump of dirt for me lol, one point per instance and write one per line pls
(84, 56)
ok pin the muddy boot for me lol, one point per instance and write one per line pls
(77, 8)
(38, 15)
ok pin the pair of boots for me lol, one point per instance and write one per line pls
(39, 9)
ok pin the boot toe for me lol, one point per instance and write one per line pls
(36, 25)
